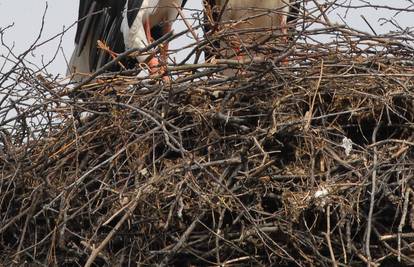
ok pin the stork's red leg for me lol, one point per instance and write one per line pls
(284, 31)
(283, 27)
(164, 52)
(153, 62)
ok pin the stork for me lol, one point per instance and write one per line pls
(250, 14)
(119, 25)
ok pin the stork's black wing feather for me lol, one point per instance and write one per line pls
(183, 3)
(99, 20)
(133, 8)
(84, 7)
(84, 21)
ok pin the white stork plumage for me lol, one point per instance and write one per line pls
(120, 25)
(251, 14)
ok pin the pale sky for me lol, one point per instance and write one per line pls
(26, 16)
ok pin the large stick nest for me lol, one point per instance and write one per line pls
(304, 163)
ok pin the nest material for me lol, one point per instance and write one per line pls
(255, 169)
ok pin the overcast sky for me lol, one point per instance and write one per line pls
(26, 16)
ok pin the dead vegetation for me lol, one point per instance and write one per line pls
(305, 163)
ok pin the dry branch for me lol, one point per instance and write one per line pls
(251, 169)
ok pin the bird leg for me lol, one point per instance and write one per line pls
(164, 53)
(153, 62)
(282, 21)
(284, 31)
